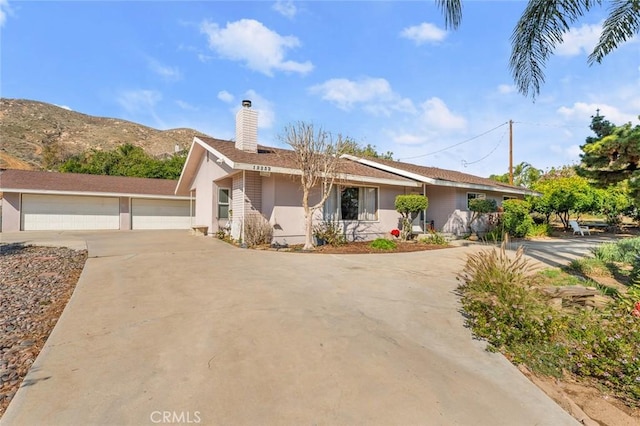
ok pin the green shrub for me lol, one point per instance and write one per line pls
(503, 307)
(540, 230)
(516, 220)
(382, 244)
(409, 206)
(500, 305)
(437, 239)
(623, 251)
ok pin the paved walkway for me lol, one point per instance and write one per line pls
(168, 328)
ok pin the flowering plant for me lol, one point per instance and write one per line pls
(636, 310)
(395, 232)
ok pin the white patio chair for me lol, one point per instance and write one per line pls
(577, 229)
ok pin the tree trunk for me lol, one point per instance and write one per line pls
(308, 237)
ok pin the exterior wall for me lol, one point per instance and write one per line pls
(208, 171)
(459, 216)
(246, 199)
(442, 201)
(125, 213)
(10, 212)
(286, 214)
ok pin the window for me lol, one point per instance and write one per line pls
(352, 203)
(223, 203)
(508, 197)
(473, 196)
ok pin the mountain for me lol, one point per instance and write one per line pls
(32, 132)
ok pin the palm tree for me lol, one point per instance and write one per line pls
(542, 26)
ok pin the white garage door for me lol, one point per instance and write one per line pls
(66, 212)
(160, 214)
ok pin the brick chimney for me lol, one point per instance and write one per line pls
(247, 128)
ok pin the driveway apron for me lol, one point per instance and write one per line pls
(165, 327)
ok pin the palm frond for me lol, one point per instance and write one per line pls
(537, 33)
(621, 25)
(452, 10)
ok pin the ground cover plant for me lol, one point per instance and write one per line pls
(382, 244)
(504, 304)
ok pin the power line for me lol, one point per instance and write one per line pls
(457, 144)
(465, 163)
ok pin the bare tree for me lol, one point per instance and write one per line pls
(317, 156)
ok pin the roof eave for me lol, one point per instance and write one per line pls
(91, 193)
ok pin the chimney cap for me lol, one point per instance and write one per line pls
(246, 103)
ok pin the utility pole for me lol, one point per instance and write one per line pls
(510, 152)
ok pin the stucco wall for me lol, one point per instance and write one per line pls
(442, 202)
(208, 172)
(10, 212)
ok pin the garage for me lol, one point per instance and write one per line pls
(68, 212)
(160, 214)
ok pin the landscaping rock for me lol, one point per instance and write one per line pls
(35, 286)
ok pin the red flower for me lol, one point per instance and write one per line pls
(636, 310)
(395, 232)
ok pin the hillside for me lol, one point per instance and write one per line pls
(30, 128)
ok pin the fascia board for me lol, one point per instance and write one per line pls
(390, 169)
(92, 193)
(435, 182)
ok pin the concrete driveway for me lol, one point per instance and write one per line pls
(165, 328)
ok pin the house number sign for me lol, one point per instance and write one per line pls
(262, 168)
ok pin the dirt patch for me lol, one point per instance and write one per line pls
(585, 402)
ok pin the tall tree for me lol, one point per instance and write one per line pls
(542, 27)
(354, 148)
(524, 174)
(564, 193)
(317, 156)
(612, 156)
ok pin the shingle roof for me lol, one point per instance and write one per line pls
(443, 174)
(285, 158)
(28, 180)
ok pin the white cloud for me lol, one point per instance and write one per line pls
(583, 111)
(166, 72)
(63, 107)
(505, 89)
(438, 116)
(139, 101)
(260, 48)
(424, 33)
(569, 153)
(265, 108)
(204, 58)
(375, 94)
(408, 138)
(286, 8)
(579, 40)
(186, 105)
(225, 96)
(5, 10)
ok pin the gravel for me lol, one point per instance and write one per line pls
(35, 286)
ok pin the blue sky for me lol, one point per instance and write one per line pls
(382, 73)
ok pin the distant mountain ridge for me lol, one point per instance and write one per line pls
(30, 128)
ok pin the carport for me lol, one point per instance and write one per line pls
(36, 201)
